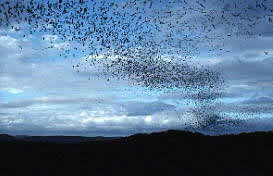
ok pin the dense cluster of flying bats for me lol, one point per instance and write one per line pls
(150, 42)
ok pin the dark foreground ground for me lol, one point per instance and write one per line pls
(166, 153)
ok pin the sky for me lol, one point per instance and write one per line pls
(42, 94)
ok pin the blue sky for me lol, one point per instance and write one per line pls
(41, 94)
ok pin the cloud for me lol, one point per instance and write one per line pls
(247, 77)
(8, 42)
(248, 70)
(13, 90)
(143, 108)
(49, 100)
(102, 119)
(24, 70)
(259, 100)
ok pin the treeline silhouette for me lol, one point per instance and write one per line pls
(162, 153)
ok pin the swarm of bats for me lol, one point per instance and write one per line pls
(149, 42)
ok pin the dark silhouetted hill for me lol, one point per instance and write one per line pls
(63, 139)
(174, 153)
(6, 137)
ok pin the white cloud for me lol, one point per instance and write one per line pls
(8, 42)
(148, 119)
(13, 90)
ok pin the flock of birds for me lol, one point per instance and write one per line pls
(150, 42)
